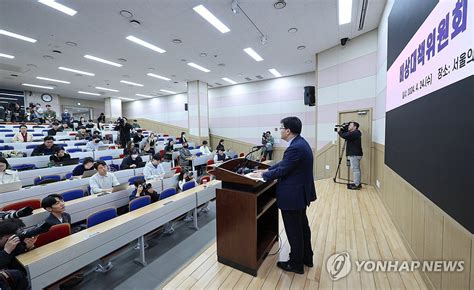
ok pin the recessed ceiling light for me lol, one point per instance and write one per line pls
(59, 7)
(158, 77)
(76, 71)
(169, 92)
(102, 60)
(301, 47)
(183, 60)
(192, 64)
(6, 56)
(71, 43)
(126, 14)
(135, 23)
(213, 20)
(146, 96)
(177, 41)
(145, 44)
(17, 36)
(57, 51)
(87, 93)
(106, 89)
(292, 30)
(126, 99)
(48, 57)
(53, 80)
(221, 64)
(131, 83)
(275, 72)
(345, 11)
(37, 86)
(253, 54)
(229, 81)
(280, 4)
(122, 60)
(126, 76)
(203, 54)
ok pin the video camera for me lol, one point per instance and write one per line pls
(28, 232)
(344, 127)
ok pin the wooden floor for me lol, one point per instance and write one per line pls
(340, 220)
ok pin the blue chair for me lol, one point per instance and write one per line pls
(37, 135)
(45, 131)
(13, 126)
(1, 141)
(80, 143)
(198, 147)
(161, 139)
(198, 154)
(6, 147)
(32, 146)
(61, 145)
(68, 175)
(6, 130)
(30, 130)
(9, 135)
(114, 167)
(105, 158)
(51, 178)
(23, 167)
(167, 193)
(235, 156)
(72, 194)
(189, 185)
(132, 180)
(101, 216)
(73, 150)
(139, 202)
(16, 126)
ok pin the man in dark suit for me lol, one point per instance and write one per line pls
(295, 191)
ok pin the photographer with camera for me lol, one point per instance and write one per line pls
(11, 244)
(142, 188)
(124, 129)
(350, 132)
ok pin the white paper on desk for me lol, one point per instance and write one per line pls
(250, 175)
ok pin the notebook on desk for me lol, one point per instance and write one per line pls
(121, 186)
(102, 148)
(66, 162)
(88, 173)
(14, 186)
(170, 173)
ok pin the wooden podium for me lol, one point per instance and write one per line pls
(247, 217)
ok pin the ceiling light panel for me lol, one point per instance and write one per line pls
(229, 81)
(131, 83)
(53, 80)
(59, 7)
(76, 71)
(192, 64)
(17, 36)
(107, 89)
(169, 92)
(345, 11)
(145, 44)
(146, 96)
(274, 72)
(213, 20)
(88, 93)
(158, 77)
(7, 56)
(253, 54)
(37, 86)
(102, 60)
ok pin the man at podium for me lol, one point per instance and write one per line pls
(295, 190)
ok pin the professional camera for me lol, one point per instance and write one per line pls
(26, 211)
(344, 127)
(147, 186)
(32, 231)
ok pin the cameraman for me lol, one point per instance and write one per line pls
(142, 189)
(11, 245)
(124, 129)
(353, 136)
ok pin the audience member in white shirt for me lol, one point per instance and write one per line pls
(204, 149)
(7, 175)
(94, 144)
(102, 180)
(154, 168)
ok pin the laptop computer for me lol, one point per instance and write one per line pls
(102, 148)
(170, 173)
(121, 186)
(88, 173)
(10, 186)
(71, 161)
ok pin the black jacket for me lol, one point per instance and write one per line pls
(42, 150)
(354, 145)
(52, 220)
(127, 161)
(54, 158)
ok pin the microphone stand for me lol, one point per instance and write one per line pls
(244, 162)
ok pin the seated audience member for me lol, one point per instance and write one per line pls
(23, 135)
(220, 156)
(142, 188)
(185, 155)
(7, 175)
(131, 161)
(184, 177)
(83, 134)
(137, 139)
(204, 149)
(128, 148)
(102, 180)
(87, 164)
(169, 148)
(53, 131)
(66, 127)
(10, 244)
(54, 204)
(154, 168)
(135, 124)
(220, 145)
(59, 156)
(183, 138)
(149, 146)
(90, 126)
(94, 144)
(47, 148)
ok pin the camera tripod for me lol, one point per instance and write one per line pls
(348, 181)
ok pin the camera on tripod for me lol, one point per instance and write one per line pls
(344, 127)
